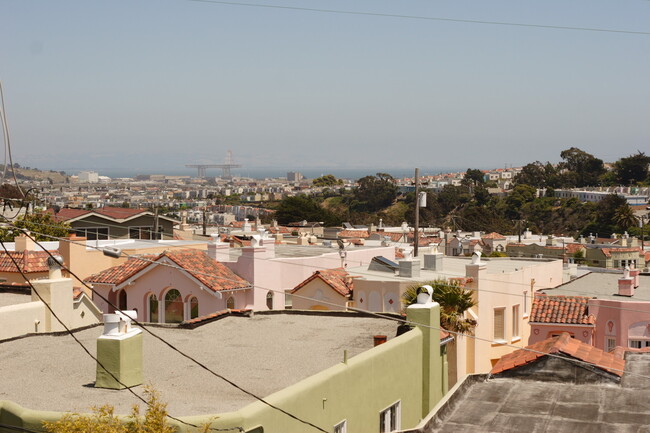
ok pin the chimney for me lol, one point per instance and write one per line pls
(409, 268)
(119, 350)
(24, 243)
(626, 284)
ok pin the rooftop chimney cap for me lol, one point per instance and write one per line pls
(55, 262)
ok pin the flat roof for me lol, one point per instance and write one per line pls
(289, 250)
(263, 354)
(516, 405)
(602, 285)
(451, 267)
(11, 298)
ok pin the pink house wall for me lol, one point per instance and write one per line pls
(614, 319)
(540, 332)
(259, 266)
(159, 280)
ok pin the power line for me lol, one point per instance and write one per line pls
(84, 347)
(421, 17)
(443, 274)
(230, 382)
(404, 321)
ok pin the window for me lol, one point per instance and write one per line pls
(173, 307)
(93, 233)
(390, 418)
(610, 344)
(153, 308)
(499, 324)
(143, 232)
(525, 302)
(121, 300)
(515, 321)
(638, 344)
(269, 300)
(194, 307)
(341, 427)
(230, 303)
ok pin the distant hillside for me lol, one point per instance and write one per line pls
(29, 173)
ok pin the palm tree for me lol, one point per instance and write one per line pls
(454, 300)
(624, 217)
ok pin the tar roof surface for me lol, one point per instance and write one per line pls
(263, 354)
(513, 405)
(602, 285)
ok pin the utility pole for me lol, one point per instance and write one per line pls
(155, 223)
(205, 222)
(416, 238)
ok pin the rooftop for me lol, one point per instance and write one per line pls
(515, 405)
(263, 354)
(452, 267)
(602, 285)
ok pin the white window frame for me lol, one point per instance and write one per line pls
(642, 343)
(515, 323)
(610, 343)
(391, 418)
(525, 303)
(502, 337)
(94, 230)
(341, 427)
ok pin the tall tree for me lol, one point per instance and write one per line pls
(375, 192)
(581, 168)
(473, 176)
(632, 169)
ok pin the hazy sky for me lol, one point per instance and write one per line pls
(156, 84)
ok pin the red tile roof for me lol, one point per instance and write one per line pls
(28, 261)
(561, 309)
(354, 234)
(338, 279)
(608, 251)
(574, 248)
(566, 347)
(214, 275)
(493, 235)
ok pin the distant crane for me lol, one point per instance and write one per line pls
(225, 173)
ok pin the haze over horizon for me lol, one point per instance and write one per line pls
(154, 85)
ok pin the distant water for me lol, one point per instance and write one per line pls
(262, 173)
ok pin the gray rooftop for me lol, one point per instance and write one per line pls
(289, 250)
(452, 267)
(11, 298)
(263, 354)
(602, 285)
(515, 405)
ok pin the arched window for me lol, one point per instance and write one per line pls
(121, 300)
(194, 307)
(153, 308)
(173, 307)
(230, 303)
(269, 300)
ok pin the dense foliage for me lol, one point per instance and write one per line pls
(42, 226)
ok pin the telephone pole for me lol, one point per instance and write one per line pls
(416, 238)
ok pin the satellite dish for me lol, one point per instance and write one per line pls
(341, 244)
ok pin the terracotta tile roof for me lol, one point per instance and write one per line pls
(354, 234)
(338, 279)
(493, 235)
(28, 261)
(237, 224)
(566, 347)
(574, 248)
(214, 275)
(608, 251)
(120, 273)
(399, 254)
(561, 309)
(394, 236)
(279, 229)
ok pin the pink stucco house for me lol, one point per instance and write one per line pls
(171, 287)
(328, 289)
(619, 304)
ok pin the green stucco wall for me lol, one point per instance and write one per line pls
(410, 368)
